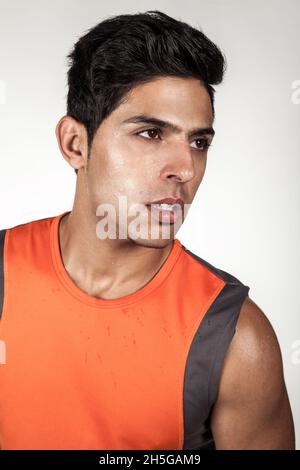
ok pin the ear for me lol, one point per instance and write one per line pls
(71, 136)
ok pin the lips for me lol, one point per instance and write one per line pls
(163, 215)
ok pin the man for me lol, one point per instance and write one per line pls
(133, 341)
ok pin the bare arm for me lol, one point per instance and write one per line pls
(252, 410)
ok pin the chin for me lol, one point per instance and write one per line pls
(154, 237)
(153, 243)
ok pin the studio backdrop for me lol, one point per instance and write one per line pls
(245, 216)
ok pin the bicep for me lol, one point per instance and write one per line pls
(252, 410)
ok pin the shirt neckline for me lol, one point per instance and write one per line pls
(88, 299)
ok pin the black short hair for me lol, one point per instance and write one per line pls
(126, 50)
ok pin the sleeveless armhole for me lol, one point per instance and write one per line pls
(206, 357)
(2, 238)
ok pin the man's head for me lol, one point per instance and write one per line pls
(129, 74)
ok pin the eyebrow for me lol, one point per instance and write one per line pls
(142, 118)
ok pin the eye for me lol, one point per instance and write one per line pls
(201, 144)
(152, 133)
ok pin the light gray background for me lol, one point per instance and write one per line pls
(245, 217)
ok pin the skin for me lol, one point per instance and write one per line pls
(252, 410)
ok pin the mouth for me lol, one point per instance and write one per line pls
(167, 210)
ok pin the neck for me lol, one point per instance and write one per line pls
(109, 268)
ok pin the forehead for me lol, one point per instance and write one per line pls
(181, 100)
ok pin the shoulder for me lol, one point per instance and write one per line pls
(255, 336)
(226, 276)
(254, 352)
(252, 410)
(28, 227)
(256, 342)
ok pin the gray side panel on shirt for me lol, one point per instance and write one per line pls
(206, 357)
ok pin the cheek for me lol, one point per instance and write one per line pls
(200, 171)
(123, 167)
(132, 163)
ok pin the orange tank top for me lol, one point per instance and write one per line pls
(137, 372)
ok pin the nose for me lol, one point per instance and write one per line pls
(179, 163)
